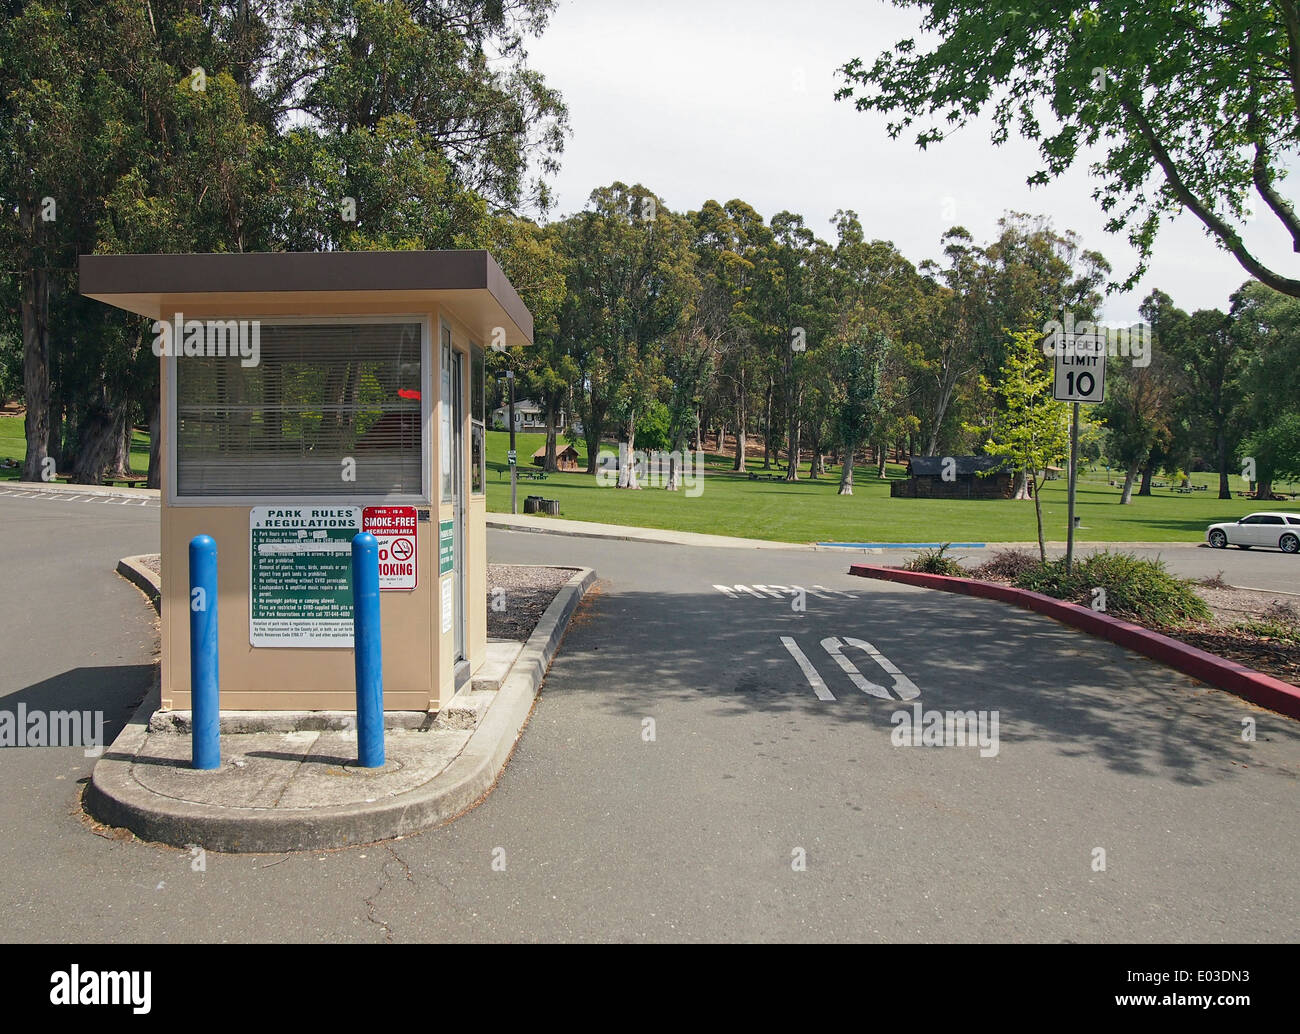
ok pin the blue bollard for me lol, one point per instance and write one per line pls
(367, 636)
(205, 677)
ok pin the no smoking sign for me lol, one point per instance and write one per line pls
(394, 528)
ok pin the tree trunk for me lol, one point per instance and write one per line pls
(941, 409)
(548, 463)
(155, 443)
(1126, 496)
(1221, 454)
(98, 435)
(1038, 512)
(627, 475)
(742, 422)
(767, 427)
(1022, 487)
(792, 451)
(592, 427)
(121, 463)
(1147, 471)
(35, 307)
(846, 468)
(883, 450)
(1264, 488)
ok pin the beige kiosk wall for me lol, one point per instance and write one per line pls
(263, 678)
(418, 668)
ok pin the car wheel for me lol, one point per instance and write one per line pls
(1218, 540)
(1289, 544)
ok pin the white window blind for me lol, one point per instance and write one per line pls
(331, 409)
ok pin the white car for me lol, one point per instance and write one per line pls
(1270, 529)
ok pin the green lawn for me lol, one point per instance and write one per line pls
(13, 446)
(810, 511)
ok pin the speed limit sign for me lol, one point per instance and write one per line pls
(1080, 369)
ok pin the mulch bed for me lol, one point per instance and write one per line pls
(1230, 607)
(528, 591)
(1277, 657)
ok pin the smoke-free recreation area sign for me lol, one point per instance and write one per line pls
(394, 527)
(300, 578)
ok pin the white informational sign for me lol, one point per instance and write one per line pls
(447, 604)
(1080, 368)
(394, 528)
(300, 583)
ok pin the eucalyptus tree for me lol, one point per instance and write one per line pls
(1266, 327)
(631, 293)
(732, 244)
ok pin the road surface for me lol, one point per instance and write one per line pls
(700, 766)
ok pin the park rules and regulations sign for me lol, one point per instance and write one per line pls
(1080, 368)
(394, 527)
(300, 578)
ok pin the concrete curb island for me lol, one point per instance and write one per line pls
(114, 796)
(134, 570)
(1228, 675)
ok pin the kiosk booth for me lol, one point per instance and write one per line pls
(305, 398)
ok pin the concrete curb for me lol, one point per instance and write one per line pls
(59, 488)
(636, 533)
(1236, 678)
(134, 571)
(114, 797)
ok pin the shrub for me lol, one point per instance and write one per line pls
(933, 561)
(1285, 632)
(1282, 613)
(1007, 565)
(1136, 589)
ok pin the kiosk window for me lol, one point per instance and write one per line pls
(445, 431)
(477, 381)
(329, 409)
(477, 461)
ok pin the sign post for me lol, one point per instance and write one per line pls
(1080, 378)
(514, 482)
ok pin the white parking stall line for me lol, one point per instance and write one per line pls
(810, 673)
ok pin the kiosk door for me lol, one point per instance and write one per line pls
(458, 493)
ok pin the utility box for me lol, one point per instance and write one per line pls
(305, 398)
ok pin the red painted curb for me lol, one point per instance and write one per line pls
(1236, 678)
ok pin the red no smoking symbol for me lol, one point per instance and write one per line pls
(402, 549)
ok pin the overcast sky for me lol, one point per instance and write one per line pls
(700, 99)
